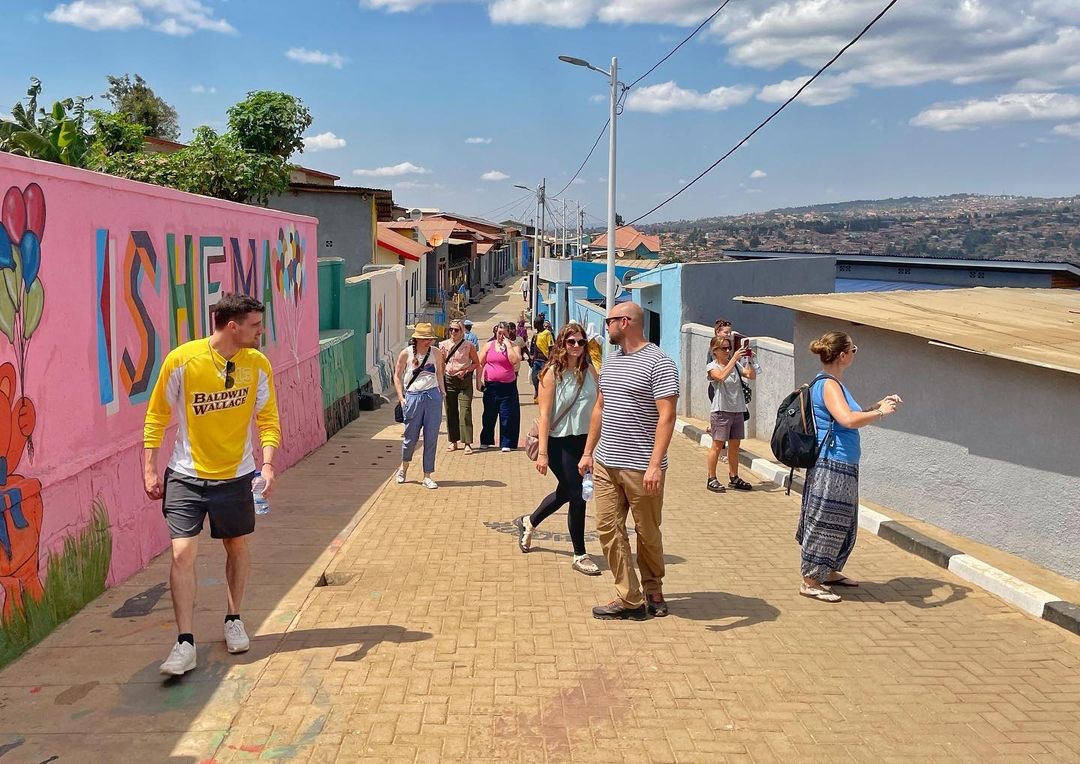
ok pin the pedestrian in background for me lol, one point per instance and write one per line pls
(631, 429)
(828, 521)
(418, 379)
(727, 417)
(539, 348)
(461, 363)
(499, 360)
(469, 334)
(568, 390)
(525, 288)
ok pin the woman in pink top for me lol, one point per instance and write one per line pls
(499, 361)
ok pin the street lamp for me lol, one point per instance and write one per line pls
(538, 245)
(613, 80)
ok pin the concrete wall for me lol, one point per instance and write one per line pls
(774, 382)
(387, 335)
(103, 277)
(346, 224)
(708, 290)
(982, 446)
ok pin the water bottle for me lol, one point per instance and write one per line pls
(586, 486)
(258, 485)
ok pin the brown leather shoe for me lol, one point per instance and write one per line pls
(656, 605)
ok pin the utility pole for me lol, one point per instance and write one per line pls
(580, 226)
(565, 228)
(542, 200)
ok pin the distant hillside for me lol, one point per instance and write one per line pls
(959, 225)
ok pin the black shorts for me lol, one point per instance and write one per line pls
(189, 500)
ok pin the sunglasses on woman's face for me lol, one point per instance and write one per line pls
(726, 347)
(454, 330)
(576, 343)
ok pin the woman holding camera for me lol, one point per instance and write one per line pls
(829, 518)
(727, 418)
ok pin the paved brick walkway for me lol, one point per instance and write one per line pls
(437, 640)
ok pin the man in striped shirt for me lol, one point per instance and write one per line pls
(630, 431)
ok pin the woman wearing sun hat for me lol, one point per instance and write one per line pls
(418, 379)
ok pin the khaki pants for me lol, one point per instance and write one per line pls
(617, 492)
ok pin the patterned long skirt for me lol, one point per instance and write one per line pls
(829, 520)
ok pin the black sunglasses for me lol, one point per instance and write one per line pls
(454, 329)
(576, 343)
(230, 367)
(607, 321)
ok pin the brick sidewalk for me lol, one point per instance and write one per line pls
(436, 640)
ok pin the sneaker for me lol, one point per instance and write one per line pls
(429, 483)
(236, 638)
(616, 611)
(400, 476)
(525, 531)
(656, 605)
(180, 661)
(584, 564)
(506, 450)
(714, 485)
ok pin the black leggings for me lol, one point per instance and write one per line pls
(563, 457)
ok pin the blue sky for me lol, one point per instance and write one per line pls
(943, 96)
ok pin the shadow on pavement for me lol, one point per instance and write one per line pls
(922, 593)
(719, 606)
(472, 483)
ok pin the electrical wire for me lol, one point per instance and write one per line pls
(517, 201)
(769, 119)
(676, 48)
(587, 156)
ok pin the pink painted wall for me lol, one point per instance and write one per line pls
(116, 293)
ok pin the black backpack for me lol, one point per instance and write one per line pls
(794, 439)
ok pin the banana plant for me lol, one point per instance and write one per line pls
(58, 135)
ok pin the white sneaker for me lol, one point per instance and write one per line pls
(429, 483)
(400, 476)
(584, 564)
(180, 661)
(506, 450)
(236, 639)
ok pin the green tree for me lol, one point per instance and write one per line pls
(267, 122)
(114, 134)
(57, 135)
(137, 101)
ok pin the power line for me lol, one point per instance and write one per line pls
(769, 119)
(587, 157)
(517, 201)
(676, 48)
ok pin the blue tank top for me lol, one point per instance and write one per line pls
(843, 444)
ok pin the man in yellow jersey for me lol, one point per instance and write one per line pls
(215, 385)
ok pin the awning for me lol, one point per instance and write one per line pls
(641, 285)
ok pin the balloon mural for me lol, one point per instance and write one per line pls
(22, 297)
(289, 281)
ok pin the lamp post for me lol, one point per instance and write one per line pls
(613, 80)
(538, 247)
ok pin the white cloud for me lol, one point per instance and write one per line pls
(173, 17)
(597, 98)
(1011, 107)
(577, 182)
(554, 13)
(202, 89)
(404, 168)
(1069, 131)
(823, 92)
(1032, 45)
(667, 96)
(412, 185)
(494, 175)
(478, 141)
(323, 142)
(756, 174)
(305, 56)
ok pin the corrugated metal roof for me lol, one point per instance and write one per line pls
(400, 244)
(1040, 327)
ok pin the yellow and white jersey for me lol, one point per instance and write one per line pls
(214, 439)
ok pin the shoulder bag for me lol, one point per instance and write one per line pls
(399, 414)
(532, 440)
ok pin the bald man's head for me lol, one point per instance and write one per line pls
(625, 324)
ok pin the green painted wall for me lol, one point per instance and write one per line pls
(344, 324)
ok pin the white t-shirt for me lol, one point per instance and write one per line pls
(525, 285)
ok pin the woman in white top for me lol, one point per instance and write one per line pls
(418, 379)
(568, 391)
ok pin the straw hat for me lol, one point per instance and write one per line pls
(423, 331)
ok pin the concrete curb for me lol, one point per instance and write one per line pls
(1020, 594)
